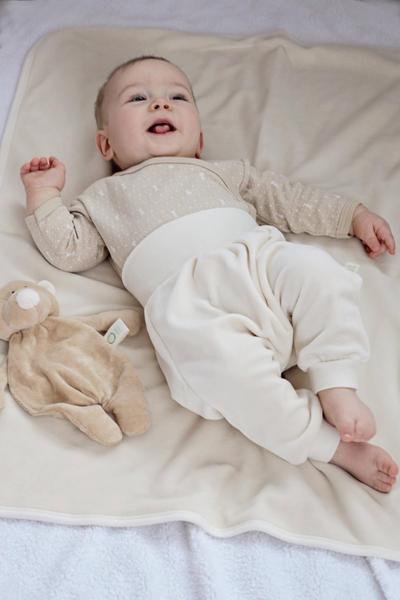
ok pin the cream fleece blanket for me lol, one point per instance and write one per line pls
(324, 115)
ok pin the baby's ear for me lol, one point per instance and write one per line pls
(47, 285)
(200, 145)
(103, 145)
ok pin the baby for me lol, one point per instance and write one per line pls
(229, 303)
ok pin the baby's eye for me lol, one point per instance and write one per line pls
(137, 98)
(179, 97)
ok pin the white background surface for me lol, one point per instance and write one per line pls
(177, 561)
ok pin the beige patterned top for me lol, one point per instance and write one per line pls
(115, 213)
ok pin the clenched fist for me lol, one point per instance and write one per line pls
(43, 179)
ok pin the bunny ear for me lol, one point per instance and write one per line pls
(47, 286)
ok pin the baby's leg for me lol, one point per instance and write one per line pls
(344, 410)
(320, 298)
(370, 464)
(222, 355)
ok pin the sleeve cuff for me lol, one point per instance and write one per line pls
(46, 208)
(344, 226)
(325, 444)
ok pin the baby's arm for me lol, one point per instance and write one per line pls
(299, 208)
(67, 238)
(296, 207)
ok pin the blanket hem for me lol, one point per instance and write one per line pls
(254, 525)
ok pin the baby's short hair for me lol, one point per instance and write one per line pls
(98, 105)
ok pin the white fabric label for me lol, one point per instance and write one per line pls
(116, 333)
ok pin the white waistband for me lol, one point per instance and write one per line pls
(166, 248)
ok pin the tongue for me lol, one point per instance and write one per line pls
(161, 128)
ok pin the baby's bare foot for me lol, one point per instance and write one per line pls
(344, 410)
(370, 464)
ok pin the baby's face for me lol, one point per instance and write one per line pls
(138, 97)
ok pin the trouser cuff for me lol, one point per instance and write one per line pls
(334, 373)
(325, 444)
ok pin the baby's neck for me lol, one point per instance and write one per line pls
(116, 168)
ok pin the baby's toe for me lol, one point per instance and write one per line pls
(387, 466)
(381, 486)
(390, 468)
(394, 470)
(384, 478)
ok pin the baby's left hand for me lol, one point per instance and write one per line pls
(373, 231)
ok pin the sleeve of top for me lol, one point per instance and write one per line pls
(296, 207)
(66, 237)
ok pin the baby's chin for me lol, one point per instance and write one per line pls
(188, 152)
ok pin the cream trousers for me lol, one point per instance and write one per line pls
(230, 321)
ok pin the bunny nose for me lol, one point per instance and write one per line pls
(27, 298)
(157, 104)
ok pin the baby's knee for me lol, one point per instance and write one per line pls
(328, 275)
(310, 259)
(309, 265)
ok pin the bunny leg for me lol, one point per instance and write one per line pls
(128, 404)
(92, 420)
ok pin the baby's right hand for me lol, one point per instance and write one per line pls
(42, 173)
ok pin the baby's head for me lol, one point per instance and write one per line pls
(135, 97)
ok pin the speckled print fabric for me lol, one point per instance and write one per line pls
(298, 208)
(116, 213)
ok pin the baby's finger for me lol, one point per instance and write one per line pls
(372, 243)
(26, 168)
(374, 254)
(54, 162)
(368, 250)
(35, 164)
(385, 235)
(43, 163)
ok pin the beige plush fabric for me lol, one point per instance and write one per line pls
(327, 116)
(65, 367)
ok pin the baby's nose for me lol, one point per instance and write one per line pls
(158, 104)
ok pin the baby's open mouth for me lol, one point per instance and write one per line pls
(161, 127)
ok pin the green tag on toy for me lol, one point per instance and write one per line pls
(116, 333)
